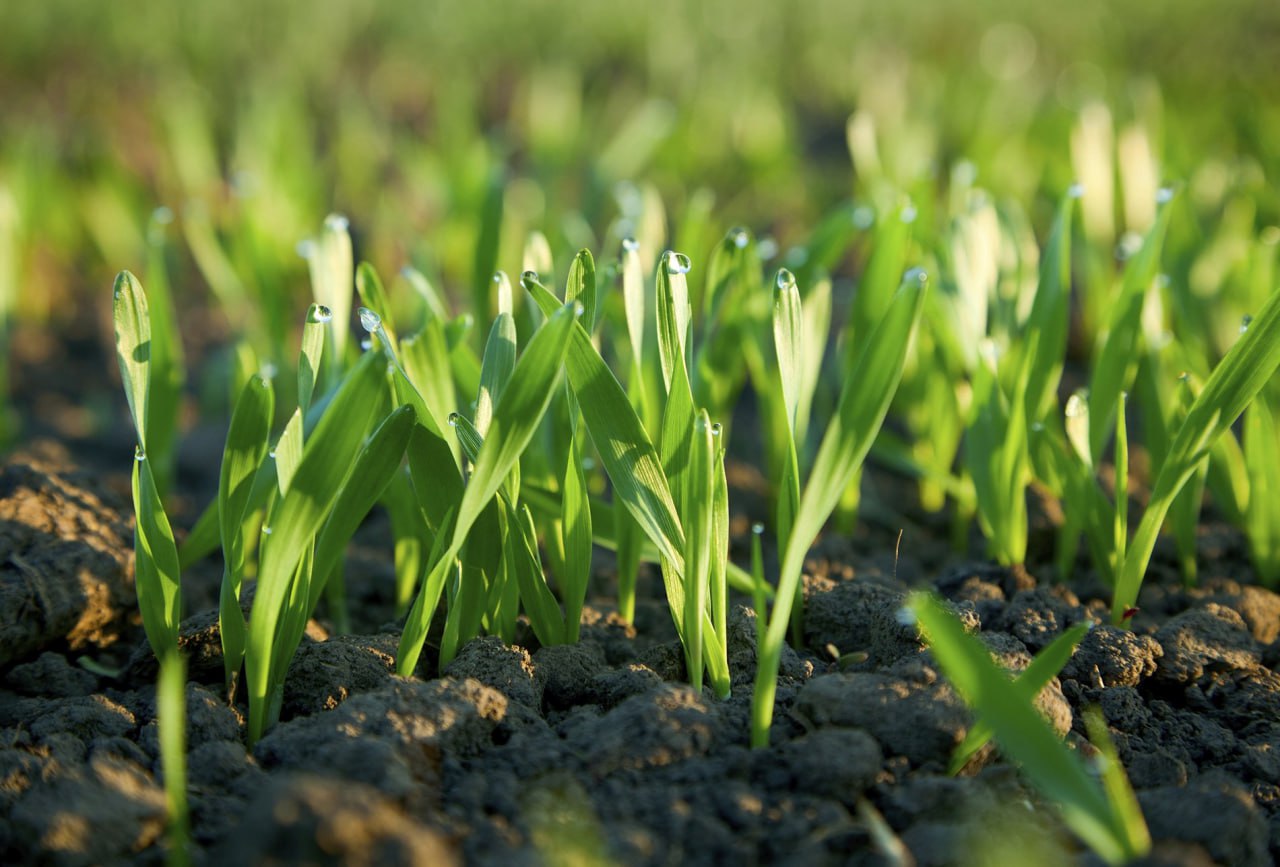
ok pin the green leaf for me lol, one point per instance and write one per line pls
(332, 278)
(875, 289)
(288, 451)
(625, 449)
(1045, 337)
(1262, 514)
(1024, 735)
(487, 243)
(411, 535)
(864, 402)
(581, 288)
(674, 314)
(133, 347)
(242, 457)
(168, 373)
(633, 298)
(156, 571)
(699, 533)
(378, 461)
(171, 718)
(313, 332)
(1044, 667)
(515, 418)
(788, 340)
(468, 437)
(496, 368)
(1233, 385)
(296, 517)
(576, 523)
(374, 297)
(1117, 361)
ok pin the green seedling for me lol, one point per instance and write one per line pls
(864, 402)
(1106, 817)
(171, 714)
(1235, 382)
(156, 569)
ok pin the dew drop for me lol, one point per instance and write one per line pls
(266, 531)
(905, 616)
(369, 320)
(785, 279)
(272, 454)
(757, 528)
(497, 278)
(716, 429)
(366, 344)
(578, 308)
(529, 277)
(320, 313)
(1164, 195)
(917, 275)
(139, 453)
(909, 214)
(453, 419)
(677, 263)
(630, 245)
(1245, 322)
(337, 223)
(864, 216)
(767, 248)
(268, 371)
(741, 239)
(1129, 245)
(306, 249)
(1076, 190)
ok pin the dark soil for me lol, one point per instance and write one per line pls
(560, 755)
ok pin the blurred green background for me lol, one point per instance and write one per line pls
(250, 120)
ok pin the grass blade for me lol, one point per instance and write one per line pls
(1044, 667)
(515, 419)
(156, 571)
(1232, 386)
(171, 717)
(1117, 361)
(378, 461)
(242, 456)
(864, 402)
(133, 348)
(297, 516)
(625, 449)
(1024, 735)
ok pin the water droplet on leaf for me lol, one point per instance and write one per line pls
(369, 320)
